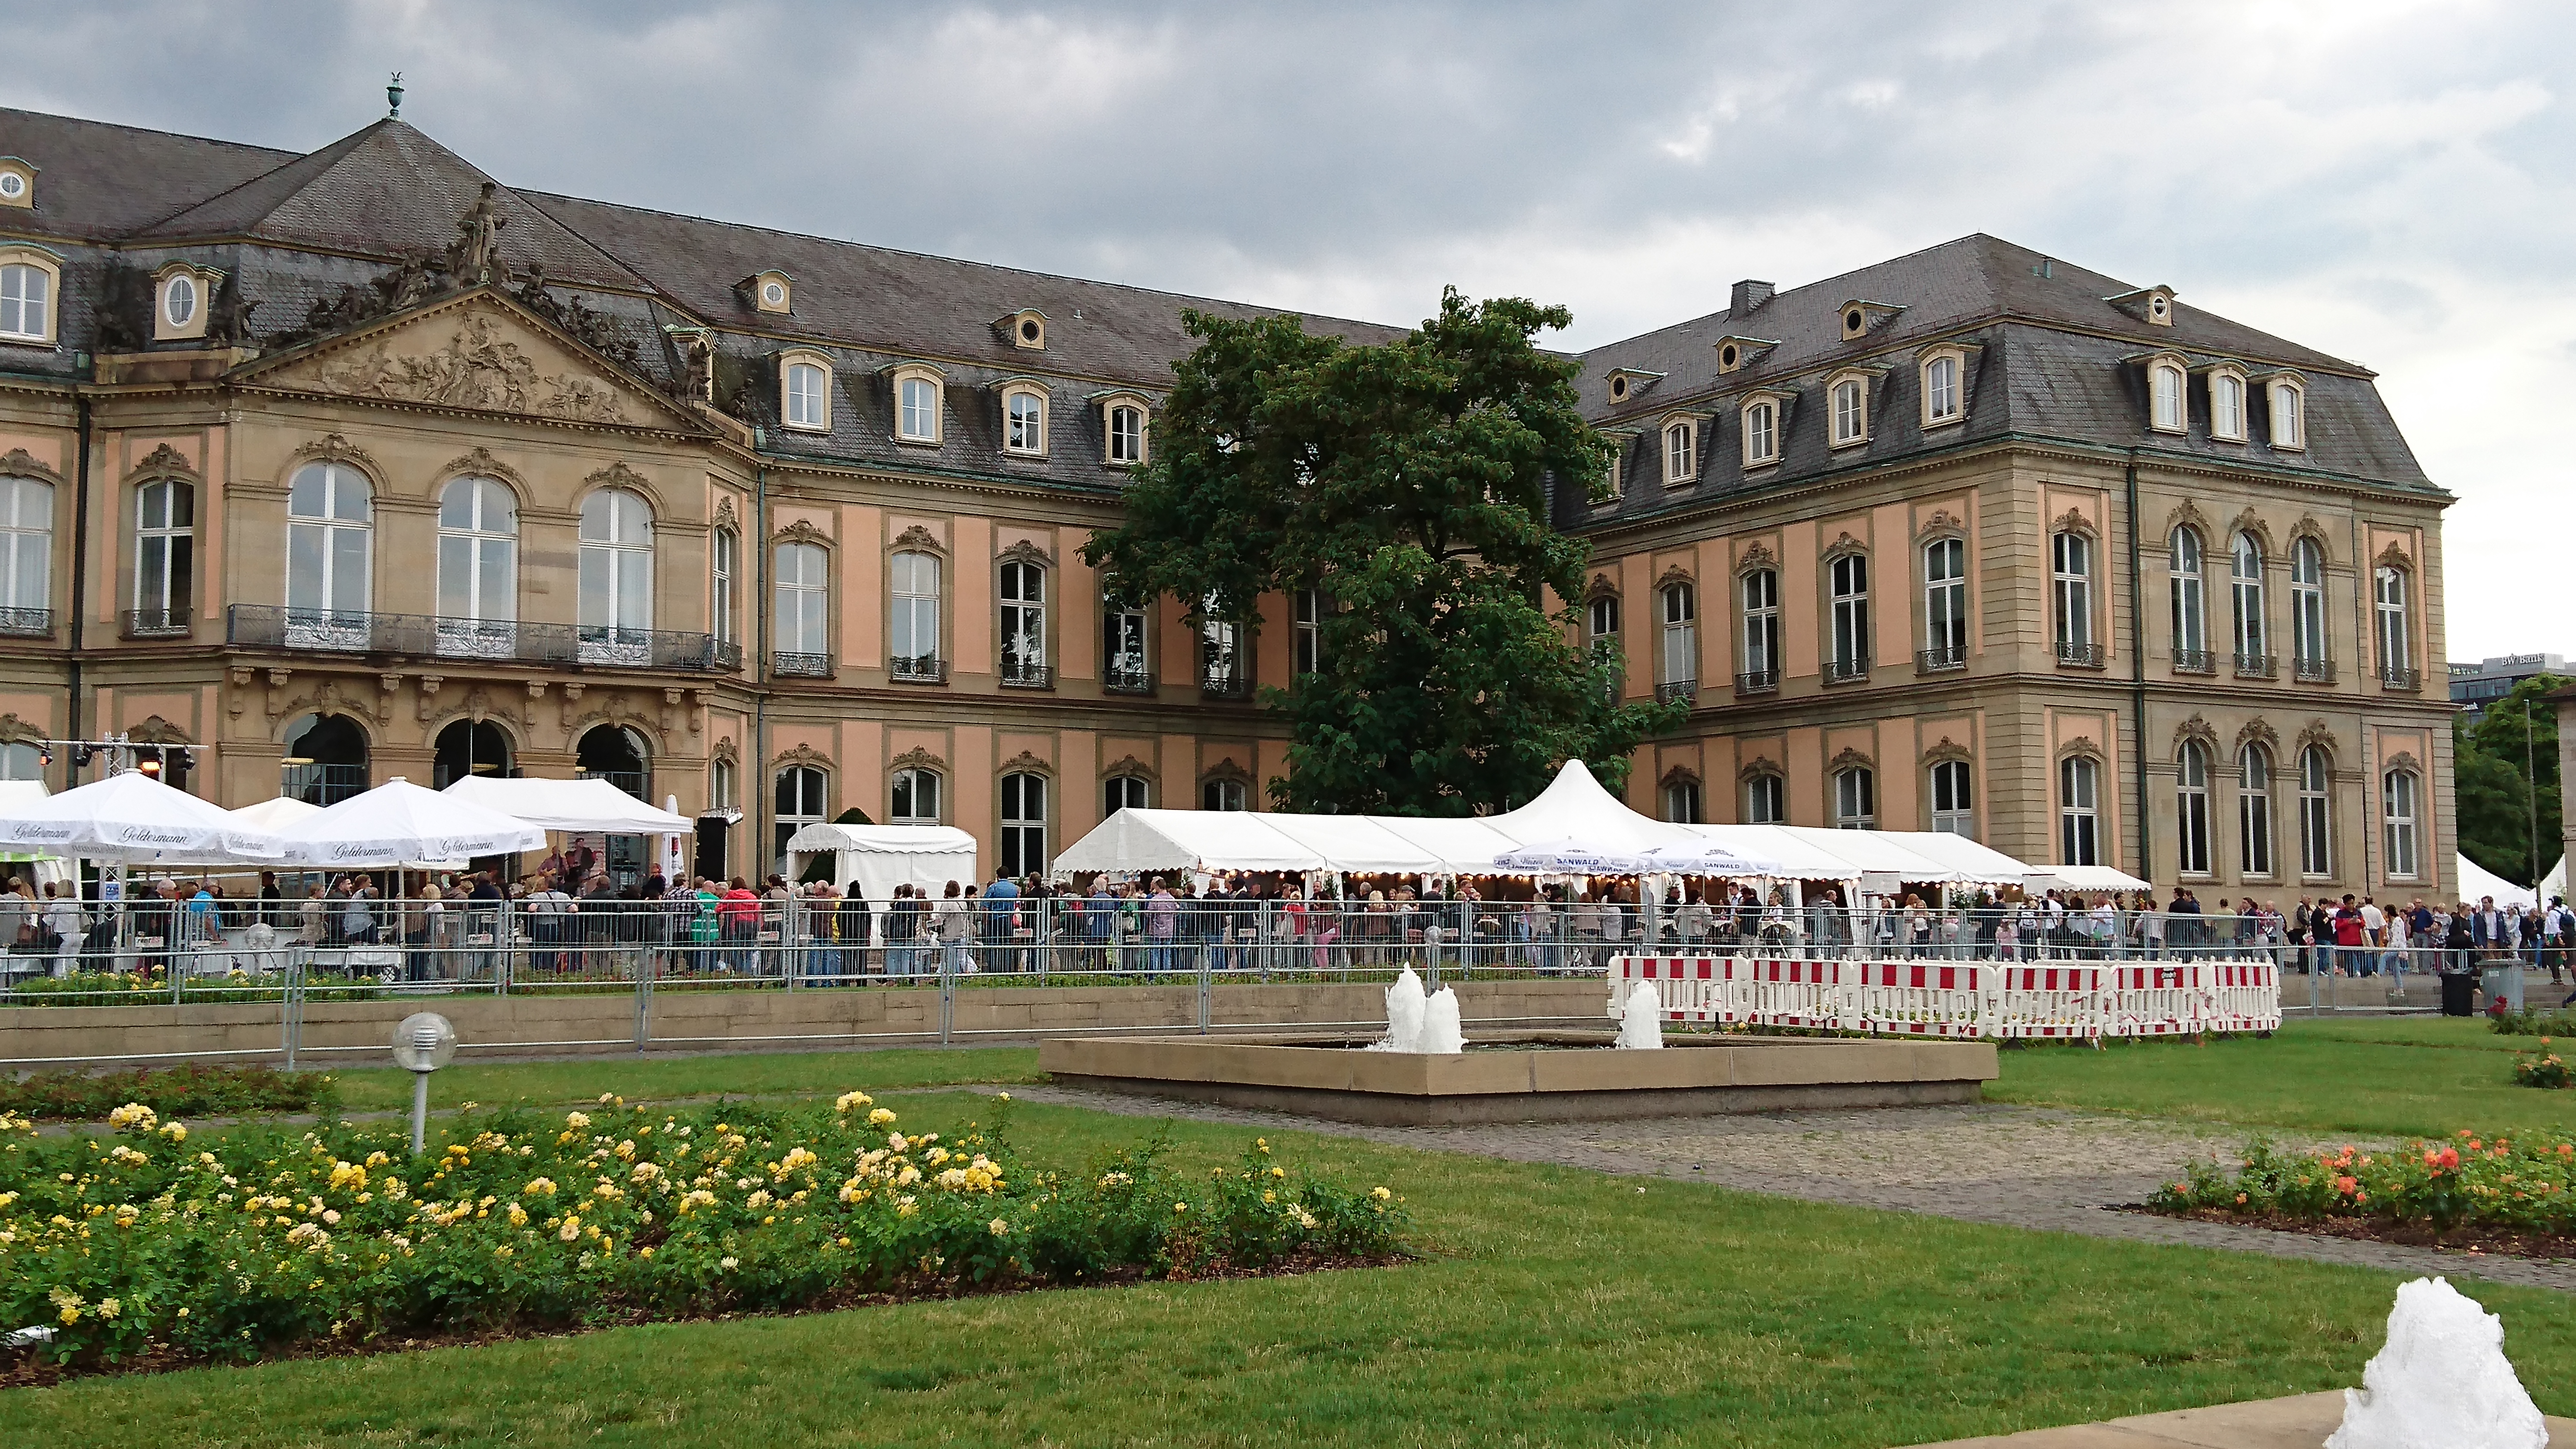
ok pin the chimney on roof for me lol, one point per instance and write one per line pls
(1748, 295)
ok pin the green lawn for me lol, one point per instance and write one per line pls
(2386, 1076)
(664, 1078)
(1559, 1306)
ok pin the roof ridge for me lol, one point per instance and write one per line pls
(325, 159)
(151, 131)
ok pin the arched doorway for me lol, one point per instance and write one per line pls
(326, 759)
(471, 747)
(619, 755)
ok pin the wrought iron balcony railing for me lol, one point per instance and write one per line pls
(1844, 671)
(917, 669)
(157, 623)
(1940, 657)
(1027, 674)
(812, 666)
(2077, 655)
(1127, 676)
(2319, 670)
(27, 622)
(1673, 689)
(2398, 676)
(268, 626)
(1225, 684)
(1757, 681)
(2257, 666)
(2194, 661)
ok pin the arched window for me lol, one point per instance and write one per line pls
(1851, 412)
(1225, 669)
(2071, 589)
(478, 568)
(1680, 653)
(617, 754)
(724, 564)
(1766, 800)
(2227, 407)
(1221, 795)
(1855, 799)
(2168, 389)
(2397, 819)
(325, 761)
(1602, 613)
(720, 784)
(1761, 433)
(2254, 809)
(1124, 792)
(809, 397)
(1127, 434)
(1126, 667)
(2289, 415)
(2253, 653)
(330, 544)
(2396, 633)
(2316, 840)
(2190, 623)
(913, 622)
(1848, 576)
(1681, 802)
(1309, 631)
(22, 760)
(26, 302)
(917, 409)
(2079, 811)
(802, 792)
(1024, 422)
(26, 556)
(469, 747)
(1024, 824)
(1761, 631)
(913, 798)
(1954, 809)
(1941, 390)
(1024, 651)
(616, 604)
(1945, 603)
(165, 556)
(2308, 609)
(802, 605)
(2191, 808)
(1681, 451)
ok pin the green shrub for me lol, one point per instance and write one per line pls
(2542, 1068)
(2524, 1184)
(2534, 1022)
(182, 1091)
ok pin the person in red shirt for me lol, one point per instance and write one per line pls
(738, 923)
(2347, 935)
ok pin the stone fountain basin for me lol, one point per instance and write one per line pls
(1525, 1077)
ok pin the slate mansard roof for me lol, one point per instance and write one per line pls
(2053, 356)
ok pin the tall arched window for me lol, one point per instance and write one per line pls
(912, 798)
(2191, 808)
(26, 555)
(724, 564)
(2316, 817)
(616, 577)
(2079, 811)
(1680, 652)
(1681, 802)
(467, 748)
(1855, 798)
(1024, 824)
(330, 546)
(2396, 632)
(1954, 810)
(2253, 653)
(1945, 603)
(1761, 631)
(2254, 809)
(913, 622)
(803, 609)
(2071, 586)
(165, 556)
(1941, 390)
(802, 791)
(1024, 651)
(478, 568)
(1127, 434)
(1124, 792)
(2308, 609)
(2227, 406)
(2397, 820)
(1602, 614)
(1225, 667)
(917, 409)
(1766, 800)
(1309, 631)
(1681, 451)
(1848, 576)
(2190, 622)
(2167, 385)
(1024, 422)
(325, 761)
(1126, 668)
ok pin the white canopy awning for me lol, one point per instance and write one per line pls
(1969, 861)
(134, 818)
(585, 805)
(1140, 841)
(2082, 878)
(399, 821)
(876, 858)
(2478, 882)
(274, 815)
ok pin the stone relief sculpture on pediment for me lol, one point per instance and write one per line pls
(483, 360)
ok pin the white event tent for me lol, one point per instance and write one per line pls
(399, 822)
(582, 805)
(2477, 882)
(877, 858)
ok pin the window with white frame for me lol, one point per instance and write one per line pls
(2289, 415)
(1124, 792)
(2316, 839)
(913, 623)
(724, 563)
(912, 797)
(22, 760)
(616, 567)
(2191, 808)
(1309, 632)
(1602, 614)
(26, 544)
(1762, 625)
(1681, 802)
(1024, 824)
(478, 559)
(1123, 655)
(2397, 802)
(1851, 412)
(1222, 795)
(1680, 661)
(916, 418)
(2396, 633)
(1126, 434)
(720, 784)
(1024, 636)
(1024, 422)
(179, 301)
(1766, 800)
(2308, 602)
(1681, 451)
(165, 551)
(804, 602)
(1761, 433)
(2245, 585)
(2166, 382)
(2227, 406)
(1941, 403)
(1855, 798)
(26, 302)
(2254, 808)
(330, 540)
(1223, 669)
(1848, 580)
(2079, 811)
(2071, 587)
(2183, 566)
(808, 403)
(801, 795)
(1954, 809)
(1945, 602)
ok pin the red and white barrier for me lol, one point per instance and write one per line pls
(1920, 997)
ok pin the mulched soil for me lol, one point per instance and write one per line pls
(2465, 1239)
(26, 1368)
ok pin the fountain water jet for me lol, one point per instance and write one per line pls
(1441, 1033)
(1404, 1008)
(2441, 1380)
(1641, 1019)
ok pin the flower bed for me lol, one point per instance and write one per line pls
(2533, 1022)
(144, 1247)
(2469, 1184)
(191, 1091)
(2543, 1068)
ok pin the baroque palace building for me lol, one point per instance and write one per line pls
(356, 464)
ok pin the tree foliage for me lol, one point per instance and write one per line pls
(1408, 481)
(2494, 793)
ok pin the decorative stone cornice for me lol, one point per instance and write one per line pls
(1946, 751)
(1849, 758)
(801, 756)
(1130, 765)
(2196, 728)
(921, 538)
(164, 461)
(1025, 763)
(333, 448)
(1023, 551)
(1756, 556)
(1757, 768)
(1941, 522)
(918, 759)
(24, 464)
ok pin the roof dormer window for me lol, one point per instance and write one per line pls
(805, 392)
(1025, 328)
(182, 294)
(1024, 419)
(2151, 305)
(918, 403)
(1626, 383)
(17, 183)
(1766, 417)
(2289, 413)
(2168, 406)
(1123, 422)
(1735, 352)
(2227, 404)
(1862, 317)
(1847, 400)
(1945, 387)
(1681, 449)
(773, 292)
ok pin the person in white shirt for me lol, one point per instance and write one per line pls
(64, 918)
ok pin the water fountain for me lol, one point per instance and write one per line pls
(1641, 1019)
(1405, 1004)
(1442, 1033)
(2441, 1380)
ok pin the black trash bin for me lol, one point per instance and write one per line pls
(2459, 994)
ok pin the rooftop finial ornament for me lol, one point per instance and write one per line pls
(393, 97)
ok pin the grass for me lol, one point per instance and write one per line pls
(2388, 1076)
(376, 1089)
(1559, 1306)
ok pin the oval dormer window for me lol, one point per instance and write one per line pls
(1726, 355)
(1029, 329)
(2159, 308)
(774, 293)
(1618, 388)
(12, 185)
(179, 300)
(1854, 319)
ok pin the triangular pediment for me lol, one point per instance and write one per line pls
(478, 351)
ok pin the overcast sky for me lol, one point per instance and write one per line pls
(2387, 181)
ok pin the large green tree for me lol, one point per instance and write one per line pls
(2494, 793)
(1408, 482)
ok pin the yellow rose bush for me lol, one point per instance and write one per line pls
(146, 1244)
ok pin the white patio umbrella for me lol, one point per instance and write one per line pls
(1704, 857)
(398, 822)
(135, 819)
(276, 814)
(1566, 857)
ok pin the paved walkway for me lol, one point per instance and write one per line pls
(2024, 1167)
(2301, 1421)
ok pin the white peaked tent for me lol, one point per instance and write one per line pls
(877, 858)
(399, 821)
(2554, 884)
(276, 814)
(133, 818)
(2476, 882)
(585, 805)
